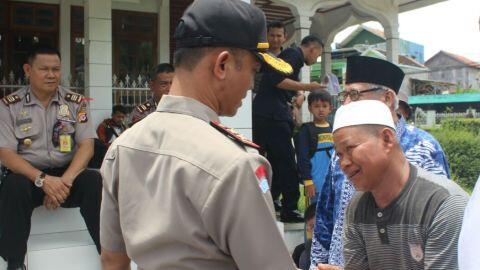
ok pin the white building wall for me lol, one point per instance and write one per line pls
(132, 5)
(242, 121)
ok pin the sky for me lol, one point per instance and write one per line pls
(452, 26)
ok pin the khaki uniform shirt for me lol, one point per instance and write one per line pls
(29, 129)
(183, 195)
(142, 110)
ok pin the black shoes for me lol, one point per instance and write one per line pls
(278, 205)
(291, 217)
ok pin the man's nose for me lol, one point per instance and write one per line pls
(347, 100)
(345, 162)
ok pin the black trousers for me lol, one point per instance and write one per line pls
(275, 139)
(19, 196)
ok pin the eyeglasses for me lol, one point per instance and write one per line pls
(355, 94)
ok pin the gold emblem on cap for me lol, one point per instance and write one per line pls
(263, 45)
(277, 63)
(27, 142)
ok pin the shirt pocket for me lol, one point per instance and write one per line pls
(30, 131)
(68, 129)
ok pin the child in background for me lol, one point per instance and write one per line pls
(301, 253)
(314, 145)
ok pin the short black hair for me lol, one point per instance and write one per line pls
(119, 108)
(41, 49)
(321, 95)
(310, 212)
(276, 24)
(161, 68)
(188, 58)
(311, 39)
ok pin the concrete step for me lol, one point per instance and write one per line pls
(294, 234)
(60, 240)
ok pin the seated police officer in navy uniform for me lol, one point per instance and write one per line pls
(46, 141)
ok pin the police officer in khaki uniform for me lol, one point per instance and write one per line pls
(180, 190)
(46, 141)
(161, 80)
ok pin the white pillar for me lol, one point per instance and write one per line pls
(326, 59)
(302, 26)
(98, 57)
(65, 41)
(393, 39)
(163, 29)
(242, 121)
(386, 12)
(326, 26)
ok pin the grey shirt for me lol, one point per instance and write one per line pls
(28, 128)
(142, 110)
(180, 194)
(418, 230)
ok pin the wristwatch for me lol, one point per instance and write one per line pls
(39, 180)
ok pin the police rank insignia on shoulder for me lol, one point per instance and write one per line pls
(74, 98)
(82, 114)
(11, 99)
(144, 107)
(234, 135)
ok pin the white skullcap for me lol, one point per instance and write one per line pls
(363, 112)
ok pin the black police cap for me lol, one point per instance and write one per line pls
(227, 23)
(363, 69)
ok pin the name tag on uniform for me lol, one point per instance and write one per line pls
(65, 143)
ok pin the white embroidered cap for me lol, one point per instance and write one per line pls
(363, 112)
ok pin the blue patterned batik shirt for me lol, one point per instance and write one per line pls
(421, 149)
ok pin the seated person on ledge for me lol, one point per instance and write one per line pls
(46, 141)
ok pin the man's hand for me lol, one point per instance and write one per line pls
(299, 99)
(115, 260)
(49, 203)
(67, 181)
(310, 191)
(316, 86)
(328, 267)
(56, 189)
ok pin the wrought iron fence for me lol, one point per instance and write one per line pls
(126, 92)
(10, 84)
(130, 93)
(439, 117)
(432, 118)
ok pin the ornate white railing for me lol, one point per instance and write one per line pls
(130, 93)
(126, 92)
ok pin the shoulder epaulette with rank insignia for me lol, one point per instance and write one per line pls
(234, 135)
(11, 99)
(144, 107)
(74, 98)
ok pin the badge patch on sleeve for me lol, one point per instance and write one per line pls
(82, 114)
(262, 178)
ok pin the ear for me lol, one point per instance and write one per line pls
(27, 69)
(389, 99)
(220, 64)
(388, 138)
